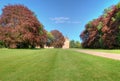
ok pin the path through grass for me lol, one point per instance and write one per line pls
(55, 65)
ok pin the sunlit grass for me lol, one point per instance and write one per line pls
(55, 65)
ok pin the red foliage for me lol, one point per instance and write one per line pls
(22, 29)
(59, 40)
(107, 36)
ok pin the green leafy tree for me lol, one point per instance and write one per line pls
(72, 44)
(50, 39)
(78, 45)
(75, 44)
(2, 44)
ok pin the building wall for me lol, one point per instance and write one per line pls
(66, 43)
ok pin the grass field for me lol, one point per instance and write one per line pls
(115, 51)
(55, 65)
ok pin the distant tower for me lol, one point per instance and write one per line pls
(66, 43)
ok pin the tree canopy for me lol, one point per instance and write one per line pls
(19, 28)
(75, 44)
(103, 32)
(58, 40)
(50, 39)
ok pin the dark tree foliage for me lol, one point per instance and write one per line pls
(75, 44)
(58, 40)
(103, 32)
(1, 38)
(20, 28)
(50, 39)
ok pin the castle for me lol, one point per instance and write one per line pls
(66, 43)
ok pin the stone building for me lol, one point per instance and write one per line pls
(65, 46)
(66, 43)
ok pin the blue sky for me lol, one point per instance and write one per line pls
(67, 16)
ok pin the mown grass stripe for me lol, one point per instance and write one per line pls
(55, 65)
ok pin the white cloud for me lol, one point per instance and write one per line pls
(60, 20)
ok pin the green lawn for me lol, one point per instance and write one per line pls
(55, 65)
(116, 51)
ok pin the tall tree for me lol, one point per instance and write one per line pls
(75, 44)
(50, 39)
(59, 39)
(103, 32)
(22, 29)
(72, 44)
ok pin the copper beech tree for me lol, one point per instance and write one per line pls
(19, 28)
(58, 40)
(103, 32)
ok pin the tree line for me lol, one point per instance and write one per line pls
(20, 28)
(103, 32)
(75, 44)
